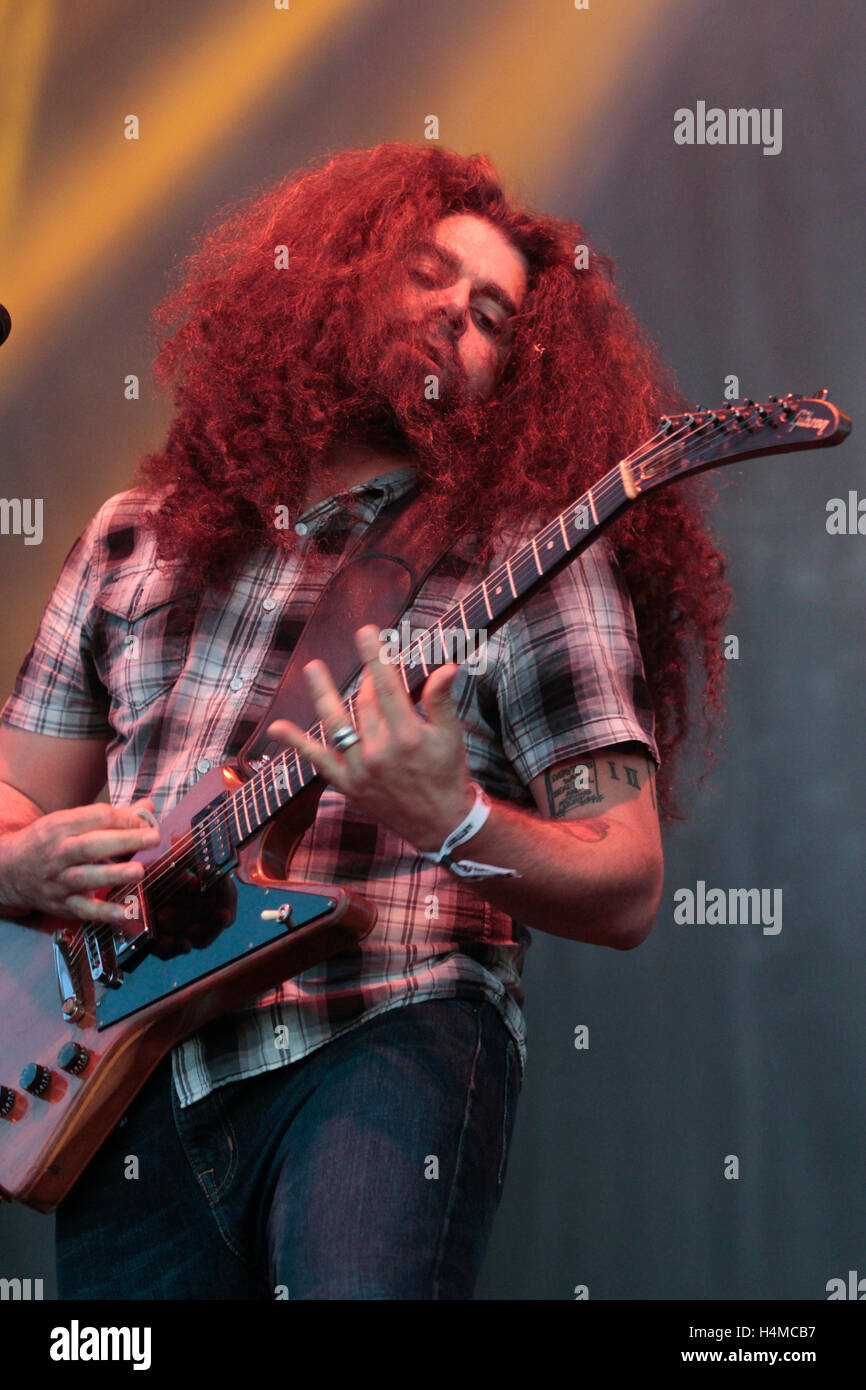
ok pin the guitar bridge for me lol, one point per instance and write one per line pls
(71, 1003)
(101, 959)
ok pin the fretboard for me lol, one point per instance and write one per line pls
(484, 609)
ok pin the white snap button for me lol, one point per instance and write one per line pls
(203, 764)
(301, 528)
(268, 604)
(235, 682)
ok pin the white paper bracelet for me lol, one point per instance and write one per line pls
(469, 826)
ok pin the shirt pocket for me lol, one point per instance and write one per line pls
(143, 624)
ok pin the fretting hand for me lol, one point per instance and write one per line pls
(409, 774)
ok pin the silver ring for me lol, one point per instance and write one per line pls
(345, 737)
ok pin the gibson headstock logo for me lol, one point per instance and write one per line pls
(807, 421)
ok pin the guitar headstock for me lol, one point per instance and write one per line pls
(703, 439)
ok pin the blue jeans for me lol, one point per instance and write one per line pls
(371, 1169)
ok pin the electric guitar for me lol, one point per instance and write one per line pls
(88, 1010)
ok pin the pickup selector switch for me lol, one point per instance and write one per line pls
(73, 1058)
(35, 1078)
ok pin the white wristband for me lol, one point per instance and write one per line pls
(469, 826)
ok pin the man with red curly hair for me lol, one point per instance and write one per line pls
(383, 324)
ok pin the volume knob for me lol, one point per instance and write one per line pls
(73, 1058)
(35, 1078)
(7, 1100)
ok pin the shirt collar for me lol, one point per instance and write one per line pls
(364, 500)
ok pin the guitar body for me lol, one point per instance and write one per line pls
(88, 1011)
(126, 1026)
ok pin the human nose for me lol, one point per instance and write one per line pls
(453, 309)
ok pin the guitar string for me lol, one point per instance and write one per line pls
(184, 849)
(170, 864)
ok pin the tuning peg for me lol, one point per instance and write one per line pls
(773, 398)
(822, 394)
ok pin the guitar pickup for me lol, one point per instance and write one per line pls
(131, 947)
(214, 848)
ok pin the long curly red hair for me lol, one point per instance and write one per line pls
(274, 341)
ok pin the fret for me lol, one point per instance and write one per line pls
(592, 506)
(234, 801)
(265, 795)
(538, 563)
(424, 666)
(463, 618)
(510, 577)
(561, 520)
(246, 812)
(297, 758)
(403, 676)
(486, 599)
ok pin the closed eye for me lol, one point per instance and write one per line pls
(490, 326)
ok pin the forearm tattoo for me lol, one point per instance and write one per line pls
(589, 781)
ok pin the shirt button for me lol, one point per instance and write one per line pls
(235, 682)
(203, 765)
(301, 528)
(268, 604)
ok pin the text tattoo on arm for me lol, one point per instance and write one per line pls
(589, 782)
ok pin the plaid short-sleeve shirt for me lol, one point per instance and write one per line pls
(176, 681)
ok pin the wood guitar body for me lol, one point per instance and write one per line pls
(218, 953)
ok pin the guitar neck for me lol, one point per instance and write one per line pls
(451, 638)
(683, 445)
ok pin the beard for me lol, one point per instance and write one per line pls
(397, 395)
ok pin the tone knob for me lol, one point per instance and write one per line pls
(73, 1058)
(35, 1078)
(7, 1100)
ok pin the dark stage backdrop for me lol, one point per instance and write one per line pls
(710, 1140)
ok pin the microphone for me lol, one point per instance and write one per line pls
(5, 323)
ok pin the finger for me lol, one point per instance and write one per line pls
(394, 703)
(93, 909)
(104, 844)
(81, 878)
(436, 698)
(323, 760)
(326, 697)
(79, 819)
(367, 705)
